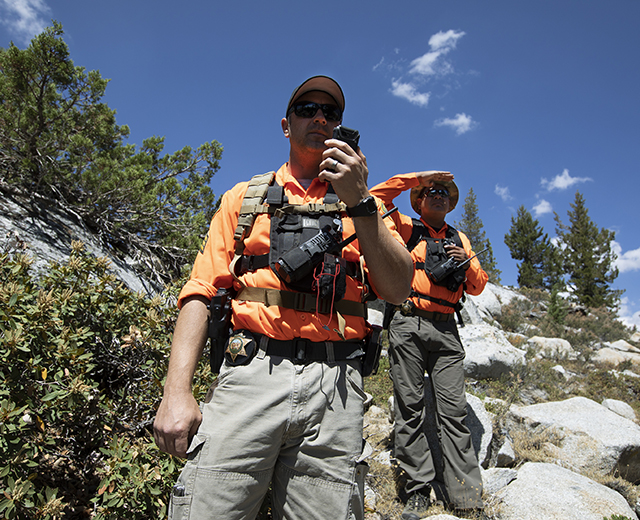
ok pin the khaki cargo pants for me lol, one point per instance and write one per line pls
(296, 426)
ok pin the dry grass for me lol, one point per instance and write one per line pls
(383, 480)
(534, 445)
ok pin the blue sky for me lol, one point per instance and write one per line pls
(523, 101)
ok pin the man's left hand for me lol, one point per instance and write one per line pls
(458, 254)
(346, 170)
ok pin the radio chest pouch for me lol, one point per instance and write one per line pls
(299, 244)
(436, 256)
(304, 240)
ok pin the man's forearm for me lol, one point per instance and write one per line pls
(189, 338)
(389, 263)
(178, 415)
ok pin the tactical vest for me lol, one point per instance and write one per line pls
(294, 231)
(435, 254)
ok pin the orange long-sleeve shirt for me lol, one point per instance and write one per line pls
(476, 278)
(211, 269)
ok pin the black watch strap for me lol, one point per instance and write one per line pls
(365, 208)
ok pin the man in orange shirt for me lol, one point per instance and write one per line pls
(423, 337)
(288, 406)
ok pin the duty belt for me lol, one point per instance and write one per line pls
(409, 309)
(302, 350)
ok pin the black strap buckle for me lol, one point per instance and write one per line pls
(299, 350)
(324, 305)
(246, 264)
(300, 301)
(307, 302)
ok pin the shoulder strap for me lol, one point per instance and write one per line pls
(453, 234)
(418, 232)
(252, 204)
(261, 190)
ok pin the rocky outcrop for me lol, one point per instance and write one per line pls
(489, 355)
(47, 231)
(583, 443)
(594, 439)
(549, 492)
(551, 348)
(591, 440)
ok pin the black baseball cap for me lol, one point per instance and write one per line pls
(318, 84)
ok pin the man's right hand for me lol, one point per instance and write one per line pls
(176, 423)
(430, 177)
(179, 416)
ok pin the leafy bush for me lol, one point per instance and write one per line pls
(599, 324)
(512, 318)
(82, 362)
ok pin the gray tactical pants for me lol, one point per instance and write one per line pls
(297, 427)
(418, 345)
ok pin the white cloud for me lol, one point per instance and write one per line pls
(462, 123)
(430, 65)
(24, 18)
(629, 261)
(409, 92)
(542, 208)
(445, 40)
(503, 193)
(627, 315)
(562, 181)
(433, 63)
(425, 64)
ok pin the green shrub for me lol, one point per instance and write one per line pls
(513, 315)
(82, 363)
(599, 324)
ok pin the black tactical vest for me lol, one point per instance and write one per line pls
(298, 236)
(298, 240)
(435, 253)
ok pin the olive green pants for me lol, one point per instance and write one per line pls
(418, 345)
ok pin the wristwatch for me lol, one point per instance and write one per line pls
(365, 208)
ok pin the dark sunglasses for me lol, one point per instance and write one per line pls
(442, 192)
(308, 110)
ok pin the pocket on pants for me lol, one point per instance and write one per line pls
(182, 492)
(358, 494)
(355, 381)
(179, 507)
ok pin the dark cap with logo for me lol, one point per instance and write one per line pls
(318, 84)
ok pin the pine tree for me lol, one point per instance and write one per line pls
(553, 273)
(588, 258)
(528, 243)
(471, 225)
(58, 140)
(557, 309)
